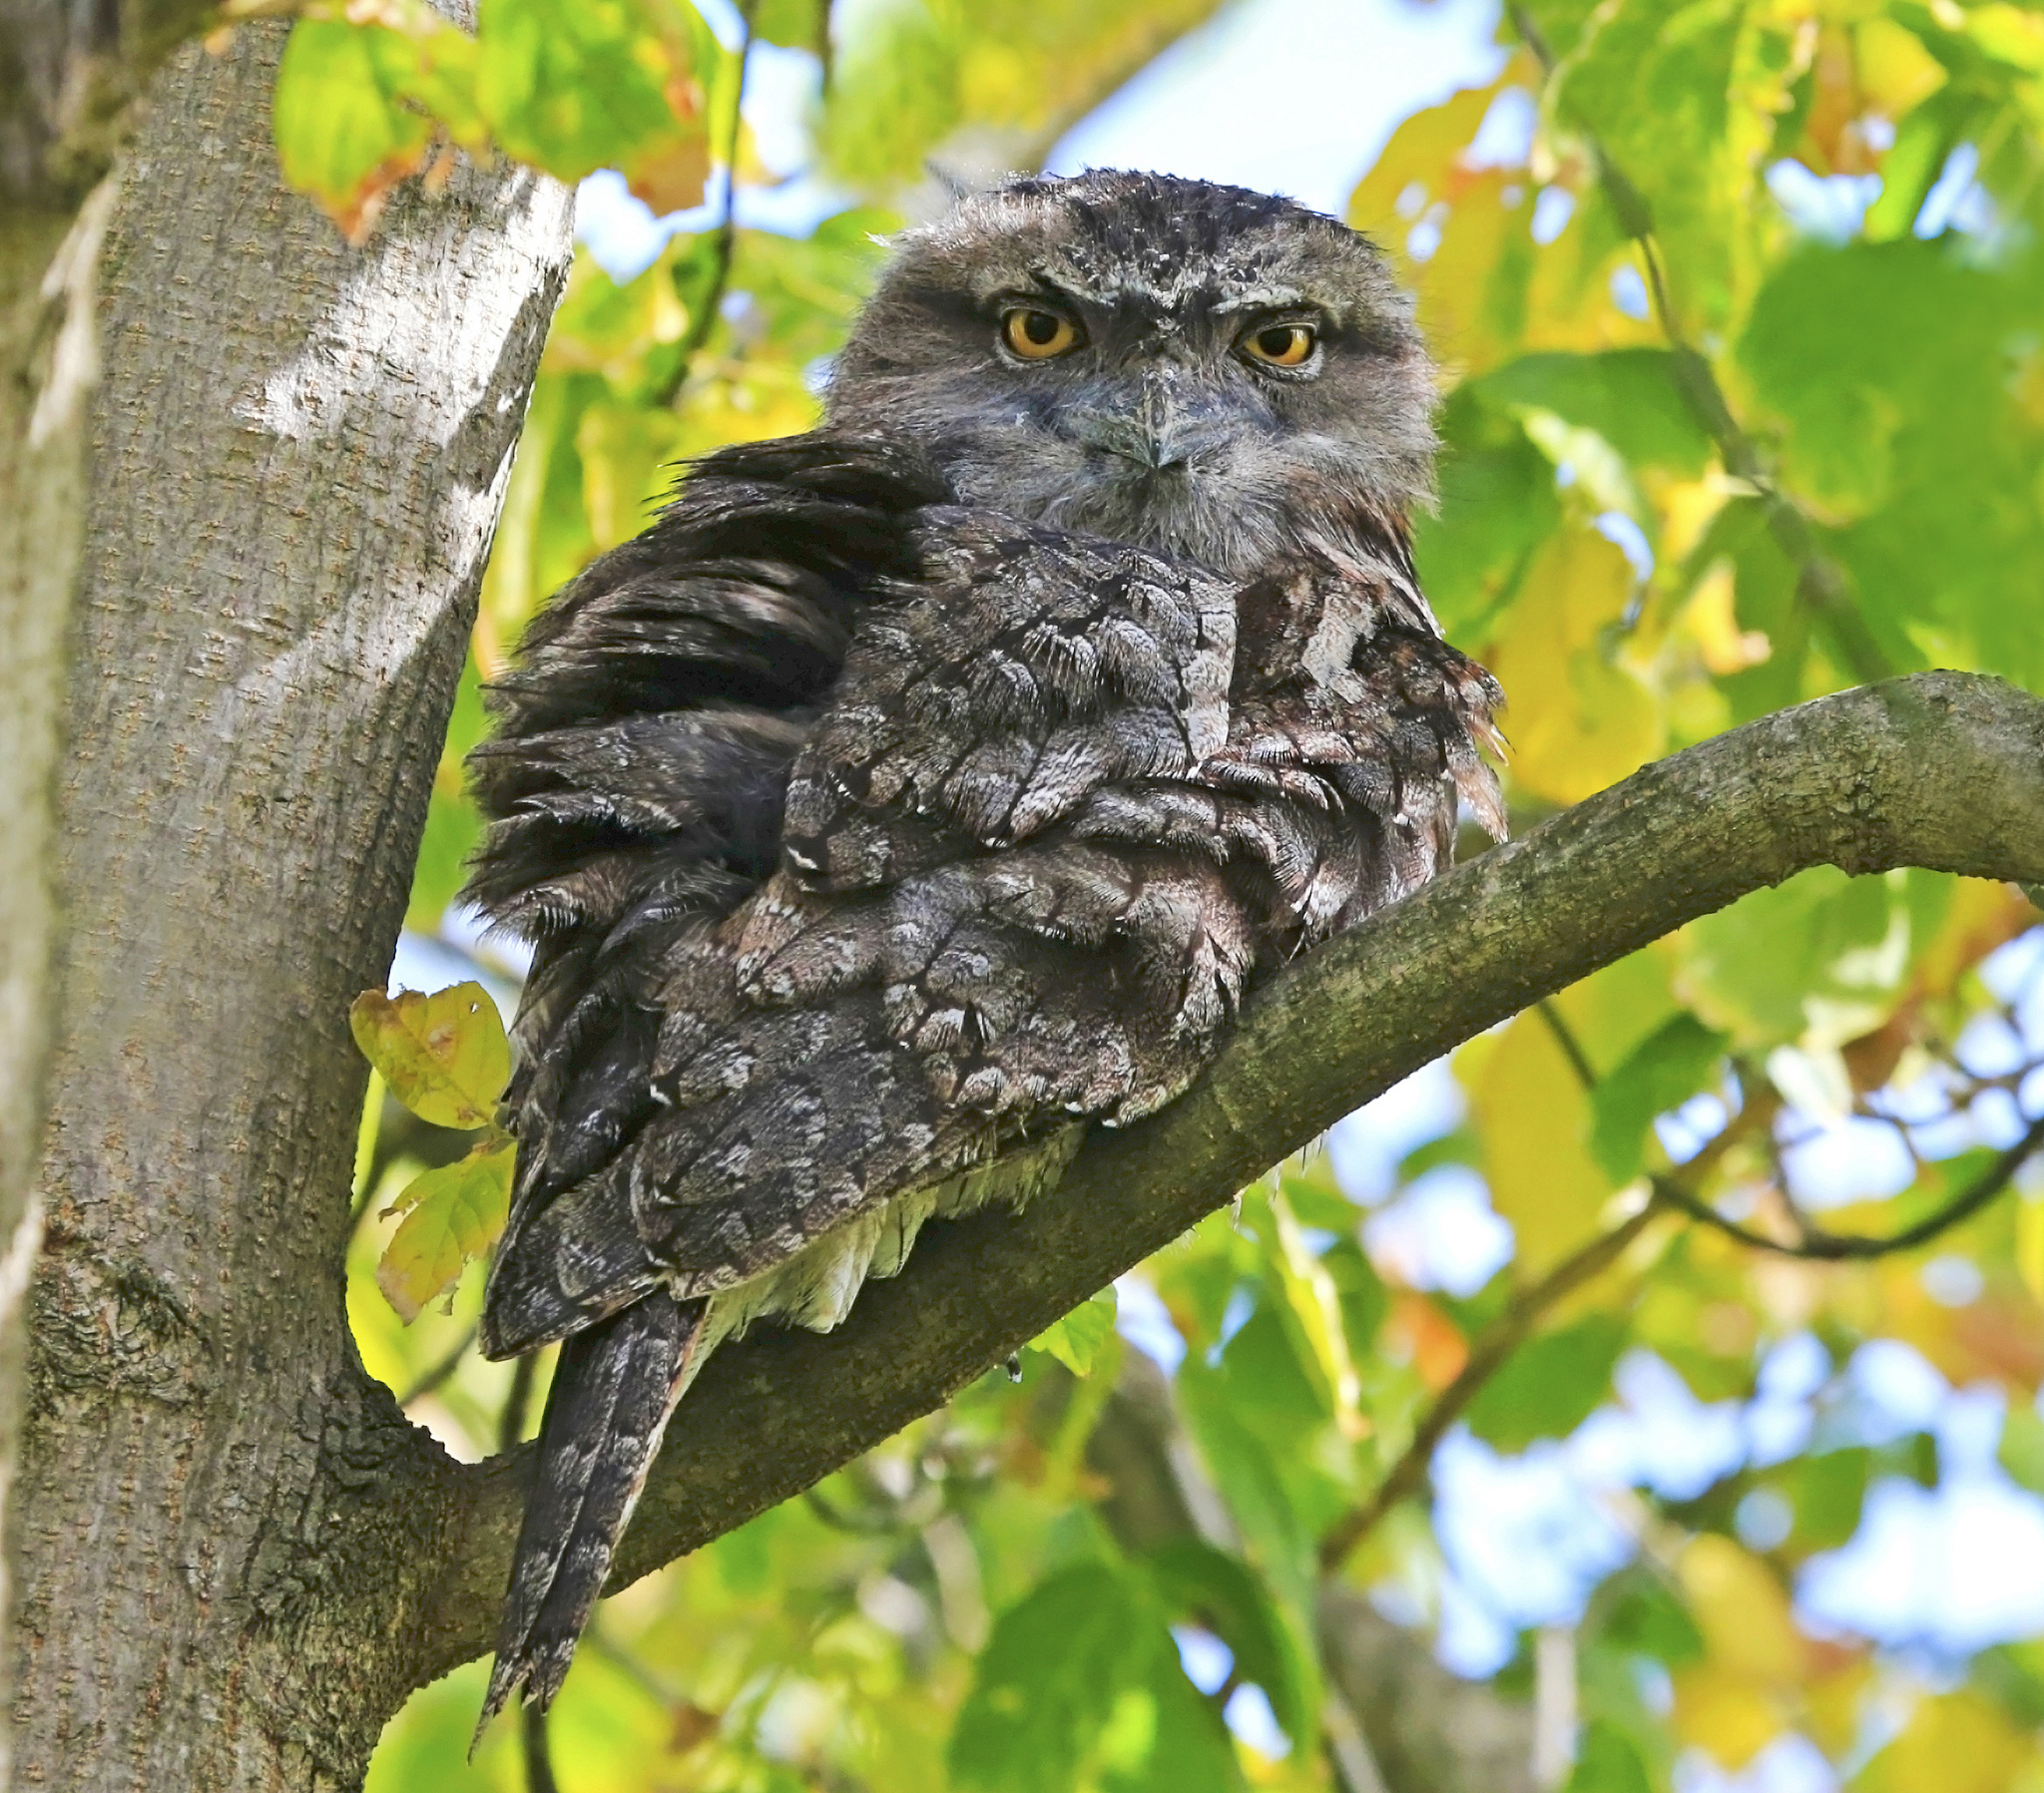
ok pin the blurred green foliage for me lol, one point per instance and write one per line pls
(1820, 441)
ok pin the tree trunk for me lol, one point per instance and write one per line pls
(47, 349)
(298, 455)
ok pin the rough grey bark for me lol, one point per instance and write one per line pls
(69, 75)
(298, 455)
(1939, 770)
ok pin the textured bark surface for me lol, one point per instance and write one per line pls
(45, 381)
(298, 455)
(1865, 780)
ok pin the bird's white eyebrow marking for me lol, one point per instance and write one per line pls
(1261, 298)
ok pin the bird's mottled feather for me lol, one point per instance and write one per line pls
(917, 790)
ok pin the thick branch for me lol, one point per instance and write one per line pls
(1939, 770)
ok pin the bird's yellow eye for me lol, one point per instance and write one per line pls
(1281, 344)
(1037, 336)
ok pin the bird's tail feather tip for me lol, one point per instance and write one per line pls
(613, 1390)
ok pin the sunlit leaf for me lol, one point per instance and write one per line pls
(452, 1215)
(578, 85)
(1956, 1742)
(342, 135)
(1578, 719)
(1196, 1580)
(444, 1056)
(1663, 1071)
(1076, 1341)
(1551, 1384)
(1533, 1115)
(1742, 1613)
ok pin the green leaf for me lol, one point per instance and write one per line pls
(797, 24)
(1498, 506)
(444, 1056)
(1826, 1493)
(1822, 955)
(1645, 1618)
(1663, 1071)
(573, 86)
(337, 124)
(1550, 1385)
(1196, 1580)
(1629, 396)
(451, 1215)
(1081, 1683)
(1610, 1762)
(1077, 1340)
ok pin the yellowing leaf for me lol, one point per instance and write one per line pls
(1533, 1115)
(1722, 1714)
(1577, 721)
(1742, 1613)
(340, 135)
(1422, 153)
(444, 1056)
(1077, 1340)
(1957, 1743)
(669, 174)
(451, 1215)
(1896, 73)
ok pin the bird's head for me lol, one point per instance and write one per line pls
(1198, 368)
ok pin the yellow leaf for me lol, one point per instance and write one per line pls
(1742, 1613)
(1532, 1114)
(451, 1215)
(1577, 721)
(669, 174)
(1467, 291)
(1896, 73)
(1724, 1714)
(1422, 153)
(1956, 1743)
(444, 1056)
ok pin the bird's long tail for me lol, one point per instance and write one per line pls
(613, 1387)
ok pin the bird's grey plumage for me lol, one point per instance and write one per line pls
(917, 790)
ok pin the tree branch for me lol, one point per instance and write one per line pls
(1864, 781)
(1489, 1355)
(1839, 1247)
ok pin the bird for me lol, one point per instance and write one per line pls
(919, 792)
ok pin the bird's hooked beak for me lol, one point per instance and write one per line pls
(1161, 421)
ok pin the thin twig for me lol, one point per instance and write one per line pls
(539, 1763)
(1486, 1358)
(517, 1402)
(1818, 582)
(1811, 1241)
(1834, 1247)
(1565, 1038)
(723, 245)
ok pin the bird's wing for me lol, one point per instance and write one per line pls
(742, 1085)
(1023, 669)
